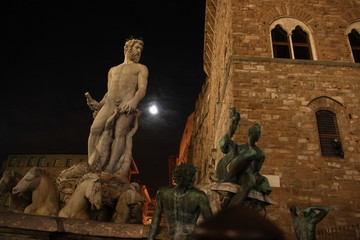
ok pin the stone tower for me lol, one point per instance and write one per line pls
(291, 66)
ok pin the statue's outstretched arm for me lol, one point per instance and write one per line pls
(235, 119)
(225, 142)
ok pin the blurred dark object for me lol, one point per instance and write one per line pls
(237, 223)
(338, 148)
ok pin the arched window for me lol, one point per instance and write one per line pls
(56, 162)
(31, 162)
(301, 44)
(291, 39)
(280, 42)
(353, 34)
(329, 134)
(68, 163)
(41, 162)
(13, 162)
(354, 39)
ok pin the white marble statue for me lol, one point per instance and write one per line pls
(116, 114)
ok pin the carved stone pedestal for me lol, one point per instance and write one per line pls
(16, 226)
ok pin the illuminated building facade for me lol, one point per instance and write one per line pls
(292, 66)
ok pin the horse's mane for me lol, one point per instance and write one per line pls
(18, 175)
(135, 186)
(39, 171)
(75, 171)
(87, 176)
(12, 172)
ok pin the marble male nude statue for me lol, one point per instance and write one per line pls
(127, 84)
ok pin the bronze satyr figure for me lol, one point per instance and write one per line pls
(305, 225)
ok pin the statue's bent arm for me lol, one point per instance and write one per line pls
(323, 211)
(205, 206)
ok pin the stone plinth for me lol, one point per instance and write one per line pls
(25, 226)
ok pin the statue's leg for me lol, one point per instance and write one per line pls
(240, 196)
(247, 182)
(122, 171)
(240, 163)
(97, 128)
(123, 165)
(118, 146)
(101, 154)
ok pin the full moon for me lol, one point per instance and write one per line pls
(153, 110)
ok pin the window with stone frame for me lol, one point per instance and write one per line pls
(41, 162)
(13, 162)
(31, 162)
(56, 162)
(68, 163)
(291, 39)
(329, 134)
(280, 42)
(354, 39)
(301, 44)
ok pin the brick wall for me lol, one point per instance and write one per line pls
(283, 96)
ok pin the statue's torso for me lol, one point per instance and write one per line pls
(304, 230)
(122, 83)
(181, 210)
(239, 153)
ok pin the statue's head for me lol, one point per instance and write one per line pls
(133, 48)
(255, 132)
(309, 213)
(184, 174)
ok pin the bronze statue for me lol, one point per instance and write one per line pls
(242, 163)
(181, 203)
(305, 225)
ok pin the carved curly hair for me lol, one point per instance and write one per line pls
(183, 170)
(130, 43)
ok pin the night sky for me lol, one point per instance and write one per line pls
(54, 51)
